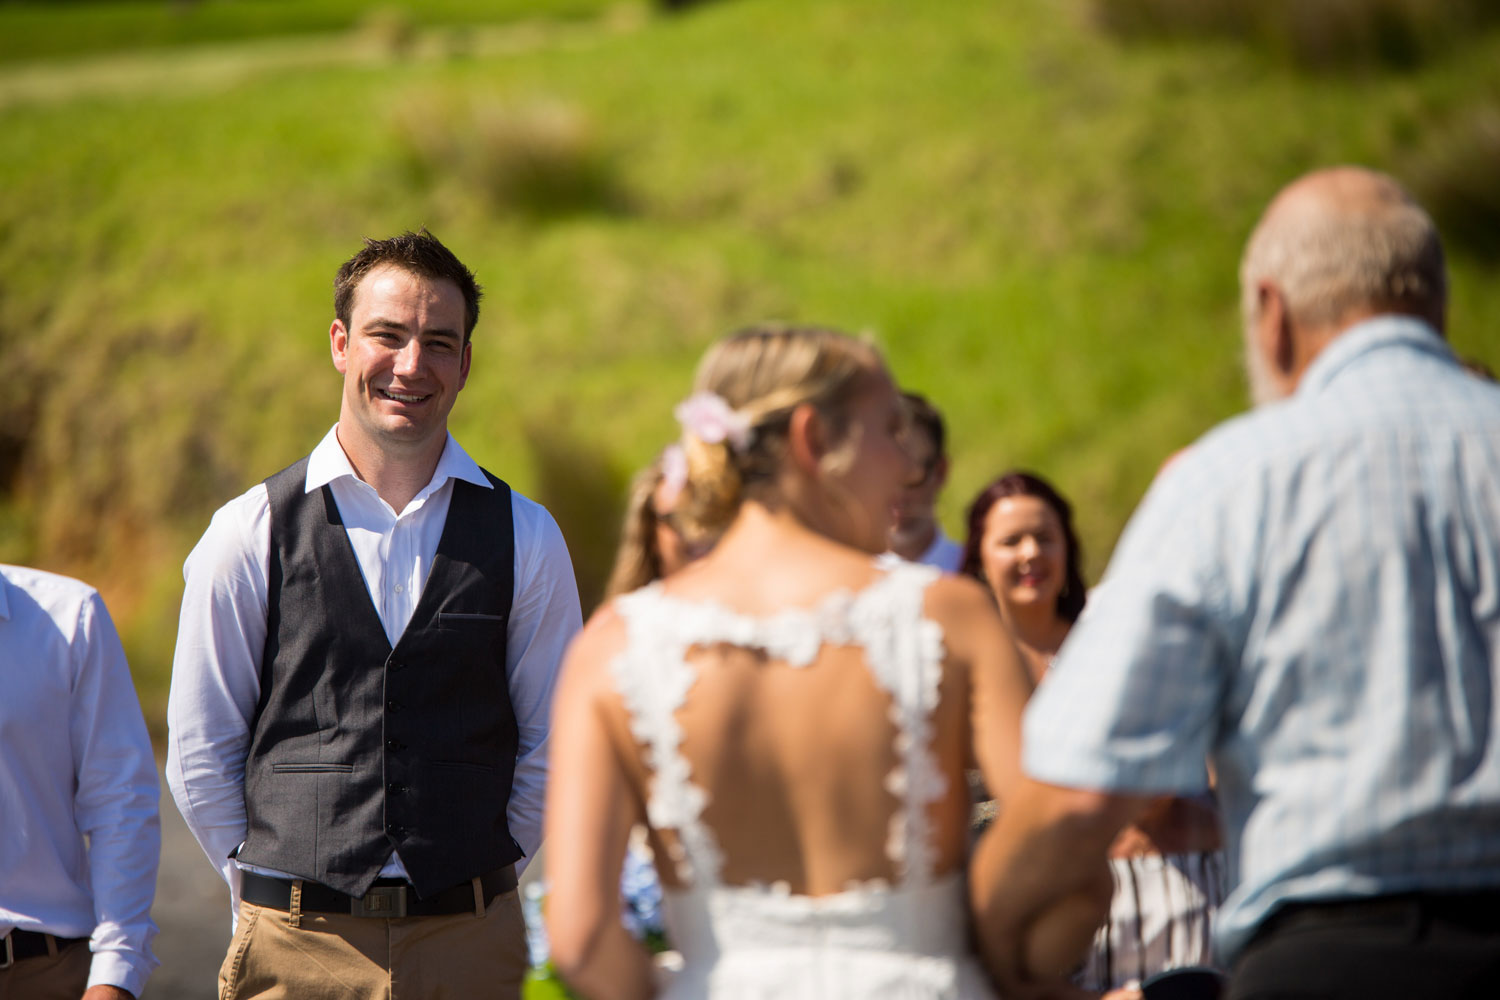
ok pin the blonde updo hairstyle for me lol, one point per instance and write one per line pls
(764, 373)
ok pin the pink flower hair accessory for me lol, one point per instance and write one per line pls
(674, 473)
(707, 417)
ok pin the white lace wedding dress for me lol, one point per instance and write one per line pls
(875, 939)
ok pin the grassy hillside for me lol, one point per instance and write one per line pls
(1039, 221)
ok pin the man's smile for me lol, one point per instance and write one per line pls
(403, 397)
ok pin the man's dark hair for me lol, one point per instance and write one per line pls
(421, 254)
(927, 417)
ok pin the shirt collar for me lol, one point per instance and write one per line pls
(1366, 337)
(4, 598)
(328, 462)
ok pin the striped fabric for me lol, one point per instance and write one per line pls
(1161, 918)
(1310, 595)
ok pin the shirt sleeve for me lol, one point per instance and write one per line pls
(1131, 703)
(221, 638)
(116, 803)
(545, 615)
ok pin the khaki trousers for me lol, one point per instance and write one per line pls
(61, 974)
(277, 955)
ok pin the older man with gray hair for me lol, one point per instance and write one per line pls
(1310, 597)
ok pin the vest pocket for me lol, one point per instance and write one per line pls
(313, 768)
(450, 619)
(464, 765)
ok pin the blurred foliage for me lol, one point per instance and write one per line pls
(537, 159)
(1318, 35)
(1040, 224)
(580, 484)
(1455, 172)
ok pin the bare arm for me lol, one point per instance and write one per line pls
(590, 809)
(1040, 883)
(999, 683)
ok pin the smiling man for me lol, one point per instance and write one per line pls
(364, 671)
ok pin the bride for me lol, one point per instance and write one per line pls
(790, 720)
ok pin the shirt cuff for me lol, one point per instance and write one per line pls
(127, 971)
(1099, 772)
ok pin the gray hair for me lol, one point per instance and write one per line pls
(1332, 256)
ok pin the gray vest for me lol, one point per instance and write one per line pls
(358, 749)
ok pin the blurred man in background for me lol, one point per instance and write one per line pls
(1310, 596)
(80, 836)
(916, 534)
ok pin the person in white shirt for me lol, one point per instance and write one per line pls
(78, 799)
(916, 535)
(364, 672)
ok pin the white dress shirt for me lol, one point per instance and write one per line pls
(222, 634)
(75, 763)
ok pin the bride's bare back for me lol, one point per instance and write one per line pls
(818, 732)
(802, 753)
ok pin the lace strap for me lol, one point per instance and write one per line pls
(905, 654)
(653, 677)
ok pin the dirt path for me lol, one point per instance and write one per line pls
(192, 910)
(210, 67)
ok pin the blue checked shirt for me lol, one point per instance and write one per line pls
(1310, 596)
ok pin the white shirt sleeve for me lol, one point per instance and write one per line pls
(115, 804)
(545, 616)
(216, 676)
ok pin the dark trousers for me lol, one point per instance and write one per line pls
(1411, 947)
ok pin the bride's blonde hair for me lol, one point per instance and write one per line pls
(764, 373)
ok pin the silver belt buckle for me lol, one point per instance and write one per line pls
(10, 954)
(381, 901)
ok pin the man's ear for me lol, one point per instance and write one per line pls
(806, 437)
(940, 471)
(1273, 330)
(338, 345)
(463, 365)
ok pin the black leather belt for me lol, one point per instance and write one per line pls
(19, 945)
(387, 897)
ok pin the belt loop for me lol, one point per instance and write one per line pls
(51, 945)
(478, 897)
(295, 909)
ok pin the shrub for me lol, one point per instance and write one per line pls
(1455, 173)
(540, 158)
(1312, 34)
(391, 30)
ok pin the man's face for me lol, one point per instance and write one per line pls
(403, 359)
(914, 510)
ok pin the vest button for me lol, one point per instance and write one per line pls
(396, 831)
(394, 745)
(393, 705)
(395, 788)
(397, 665)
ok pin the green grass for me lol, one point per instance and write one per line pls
(1040, 223)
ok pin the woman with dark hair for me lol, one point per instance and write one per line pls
(1021, 544)
(1169, 867)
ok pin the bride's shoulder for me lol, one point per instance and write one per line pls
(599, 641)
(960, 600)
